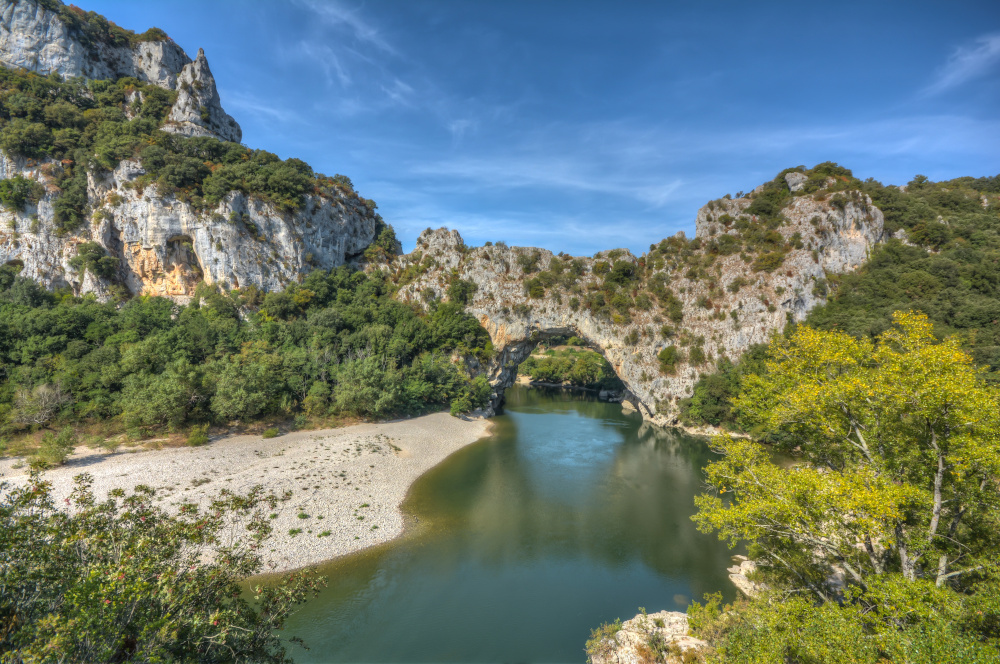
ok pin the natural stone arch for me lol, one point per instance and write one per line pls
(723, 315)
(502, 370)
(510, 353)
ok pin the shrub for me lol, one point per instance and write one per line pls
(92, 257)
(697, 356)
(270, 433)
(529, 261)
(669, 358)
(603, 640)
(56, 448)
(121, 580)
(736, 284)
(18, 191)
(769, 262)
(534, 289)
(461, 290)
(198, 435)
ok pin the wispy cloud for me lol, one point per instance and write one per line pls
(966, 63)
(338, 15)
(247, 103)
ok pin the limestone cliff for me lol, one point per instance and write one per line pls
(166, 246)
(45, 37)
(654, 637)
(164, 242)
(718, 303)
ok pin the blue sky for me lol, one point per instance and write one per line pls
(580, 126)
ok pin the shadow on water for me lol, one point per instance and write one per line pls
(570, 514)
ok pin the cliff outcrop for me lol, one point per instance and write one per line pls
(664, 317)
(48, 37)
(136, 196)
(166, 246)
(654, 637)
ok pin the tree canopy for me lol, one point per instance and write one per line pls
(336, 344)
(888, 522)
(121, 580)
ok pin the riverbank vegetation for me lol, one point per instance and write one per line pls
(571, 365)
(336, 345)
(881, 543)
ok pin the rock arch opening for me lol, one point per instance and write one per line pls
(555, 364)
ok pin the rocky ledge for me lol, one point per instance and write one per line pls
(648, 638)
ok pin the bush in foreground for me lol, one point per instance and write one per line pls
(123, 581)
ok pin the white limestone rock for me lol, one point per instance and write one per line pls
(835, 236)
(796, 180)
(166, 247)
(35, 38)
(667, 629)
(198, 109)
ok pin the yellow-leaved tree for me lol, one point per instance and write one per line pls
(889, 512)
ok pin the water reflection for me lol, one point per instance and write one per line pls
(570, 514)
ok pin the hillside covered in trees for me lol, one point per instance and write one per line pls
(944, 260)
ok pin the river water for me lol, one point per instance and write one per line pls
(569, 515)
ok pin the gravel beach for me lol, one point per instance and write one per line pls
(349, 482)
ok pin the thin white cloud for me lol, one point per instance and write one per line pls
(247, 103)
(338, 15)
(967, 63)
(325, 58)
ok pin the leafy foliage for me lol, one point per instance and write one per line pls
(571, 366)
(18, 191)
(954, 278)
(337, 344)
(93, 125)
(123, 581)
(91, 257)
(888, 524)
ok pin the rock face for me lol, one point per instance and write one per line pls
(725, 311)
(166, 247)
(198, 110)
(36, 38)
(656, 637)
(740, 574)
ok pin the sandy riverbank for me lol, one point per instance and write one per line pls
(349, 481)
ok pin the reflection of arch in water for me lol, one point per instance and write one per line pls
(637, 510)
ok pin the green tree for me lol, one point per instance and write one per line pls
(123, 581)
(893, 510)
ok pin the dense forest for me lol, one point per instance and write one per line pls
(945, 263)
(337, 344)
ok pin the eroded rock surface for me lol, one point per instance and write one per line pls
(727, 306)
(36, 38)
(166, 246)
(656, 637)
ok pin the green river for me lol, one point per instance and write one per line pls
(569, 515)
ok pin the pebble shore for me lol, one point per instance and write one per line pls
(347, 484)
